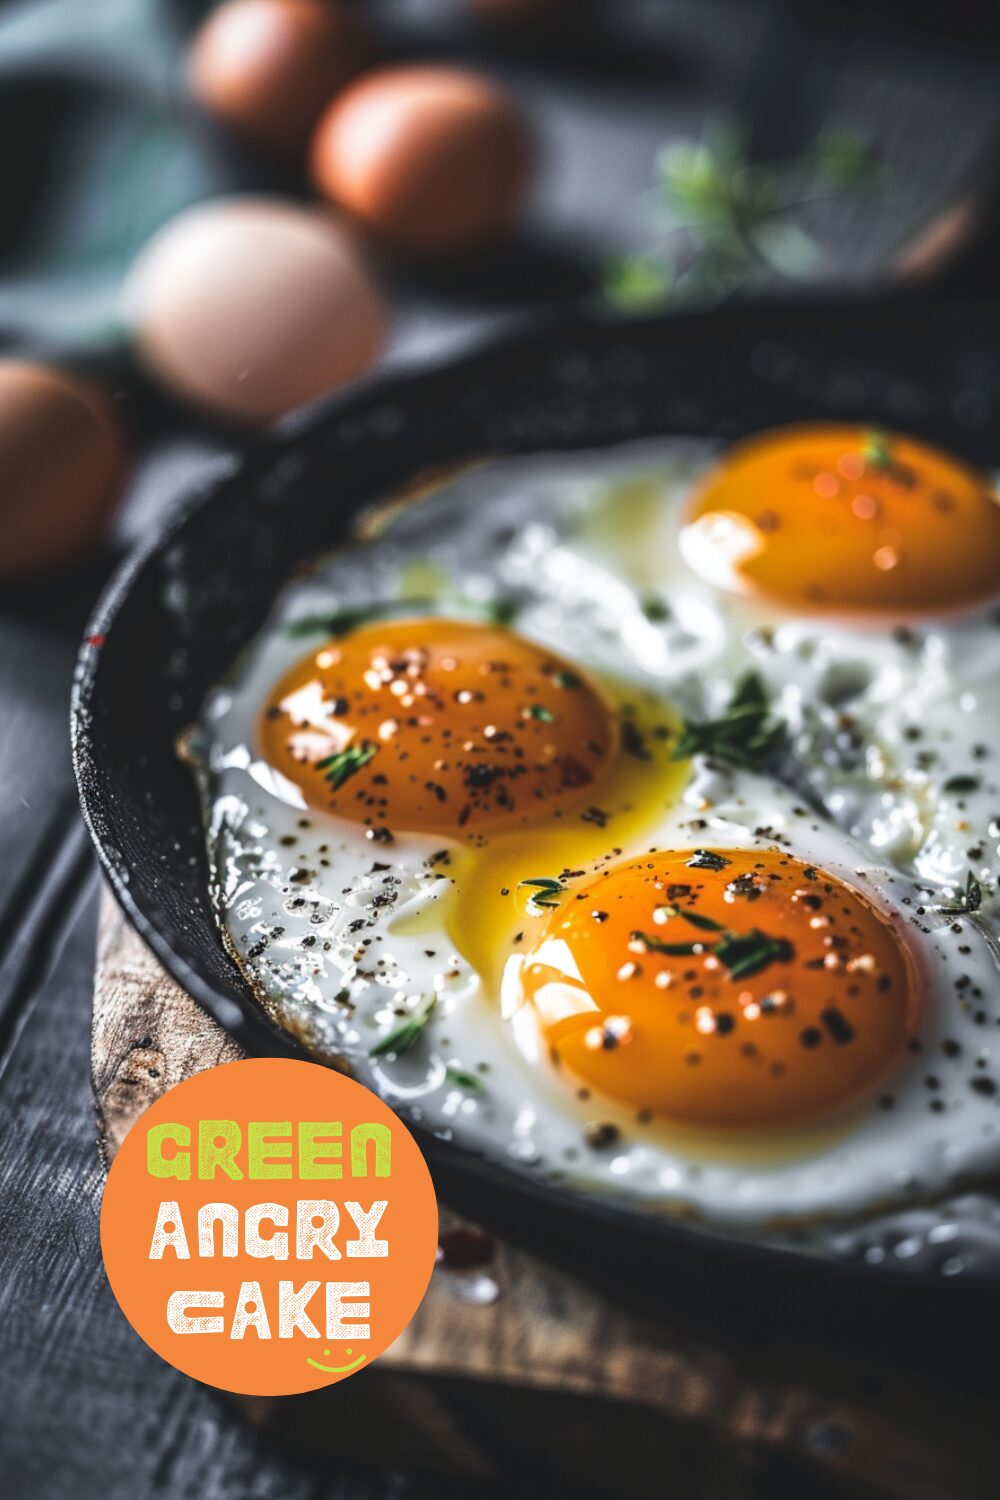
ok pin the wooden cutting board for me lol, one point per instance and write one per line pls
(516, 1368)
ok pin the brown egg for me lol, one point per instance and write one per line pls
(267, 67)
(432, 158)
(249, 307)
(62, 465)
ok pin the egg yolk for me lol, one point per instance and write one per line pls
(433, 725)
(837, 518)
(722, 989)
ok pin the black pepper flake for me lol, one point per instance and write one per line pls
(984, 1086)
(599, 1134)
(810, 1036)
(707, 859)
(838, 1027)
(962, 784)
(633, 741)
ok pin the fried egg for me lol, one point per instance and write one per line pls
(859, 573)
(456, 845)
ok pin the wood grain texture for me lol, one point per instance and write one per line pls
(596, 1393)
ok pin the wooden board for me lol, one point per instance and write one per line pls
(517, 1365)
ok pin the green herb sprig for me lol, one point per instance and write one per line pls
(745, 735)
(967, 903)
(343, 764)
(546, 895)
(721, 222)
(408, 1032)
(463, 1079)
(341, 622)
(743, 953)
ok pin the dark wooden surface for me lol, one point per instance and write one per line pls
(85, 1409)
(521, 1336)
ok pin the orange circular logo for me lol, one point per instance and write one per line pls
(269, 1227)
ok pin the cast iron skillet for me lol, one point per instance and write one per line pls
(180, 609)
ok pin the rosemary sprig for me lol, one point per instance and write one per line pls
(343, 764)
(408, 1032)
(745, 735)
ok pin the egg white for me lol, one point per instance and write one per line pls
(342, 936)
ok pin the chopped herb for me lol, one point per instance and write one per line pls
(499, 611)
(743, 953)
(633, 741)
(655, 610)
(967, 902)
(547, 894)
(877, 450)
(962, 784)
(745, 735)
(540, 712)
(463, 1079)
(706, 924)
(404, 1036)
(343, 621)
(567, 679)
(707, 859)
(746, 953)
(341, 766)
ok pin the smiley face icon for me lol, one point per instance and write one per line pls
(337, 1369)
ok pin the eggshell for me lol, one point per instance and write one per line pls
(249, 307)
(267, 67)
(434, 159)
(62, 465)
